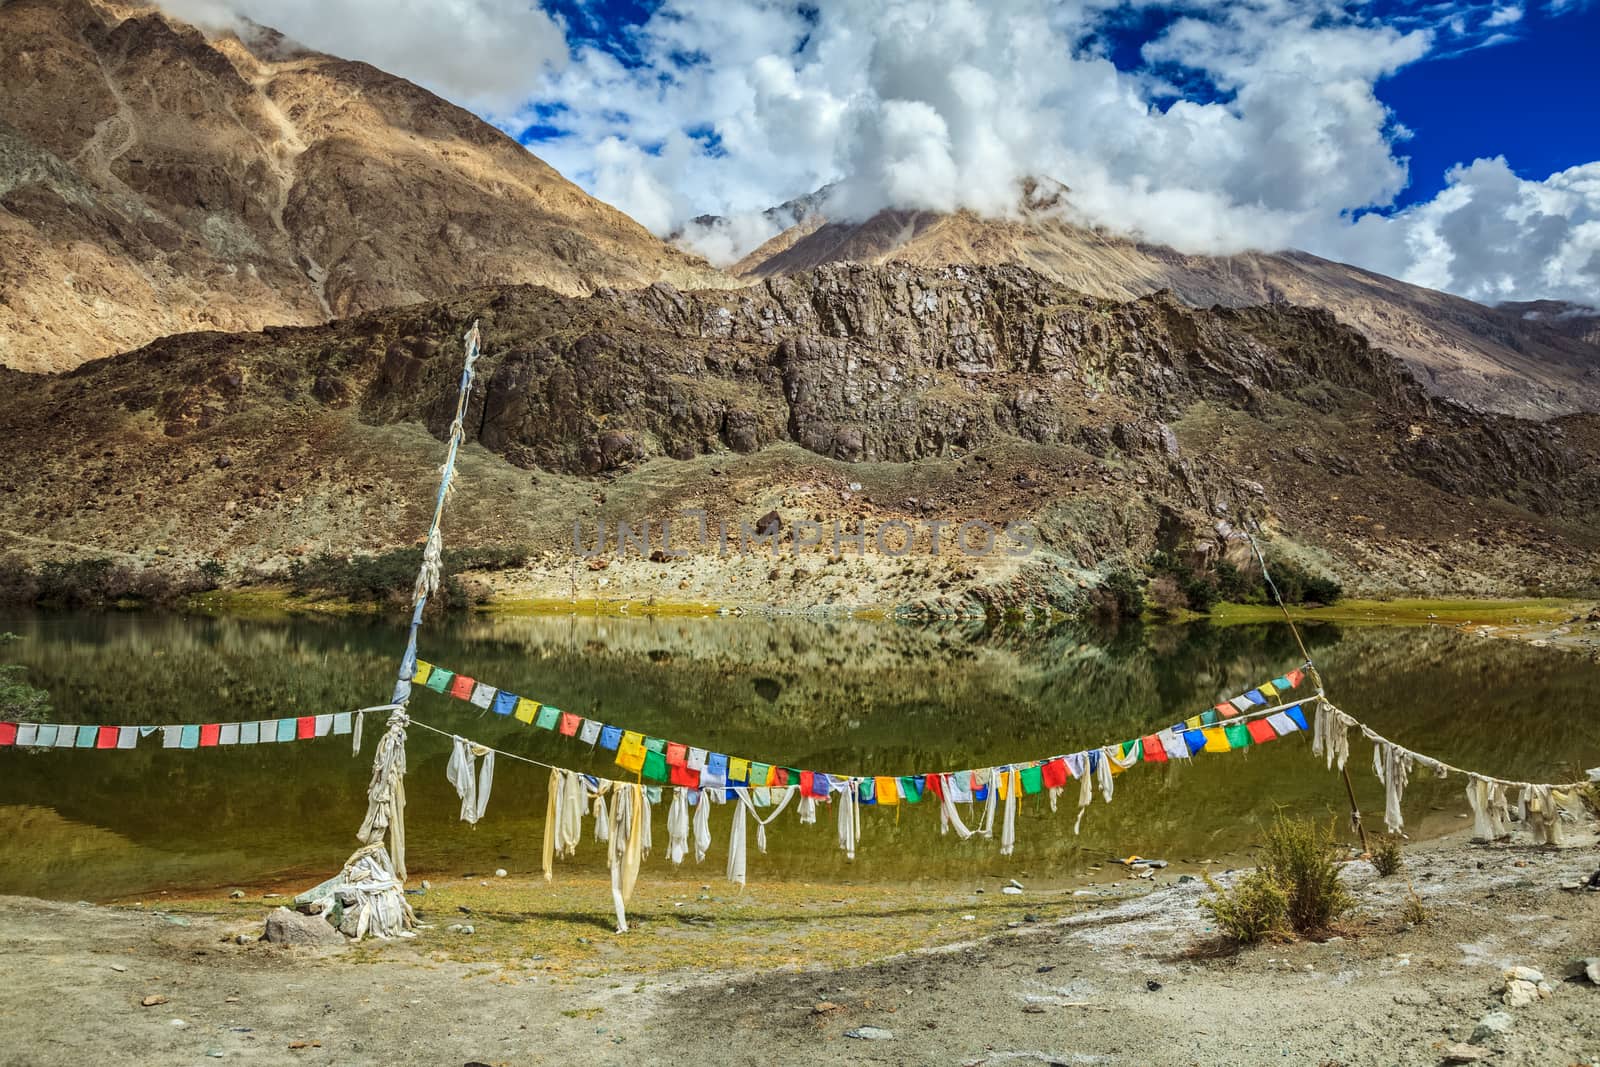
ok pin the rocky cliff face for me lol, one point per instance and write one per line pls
(1507, 360)
(153, 181)
(845, 392)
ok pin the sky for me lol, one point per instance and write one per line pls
(1451, 143)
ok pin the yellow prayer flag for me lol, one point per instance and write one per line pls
(1216, 740)
(886, 790)
(738, 769)
(632, 741)
(420, 676)
(631, 759)
(1192, 722)
(1268, 689)
(526, 709)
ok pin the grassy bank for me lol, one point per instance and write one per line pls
(1410, 612)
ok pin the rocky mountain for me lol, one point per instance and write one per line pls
(1524, 360)
(154, 180)
(865, 394)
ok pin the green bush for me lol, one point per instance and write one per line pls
(1225, 582)
(391, 576)
(1254, 909)
(1386, 858)
(1303, 859)
(1120, 595)
(19, 701)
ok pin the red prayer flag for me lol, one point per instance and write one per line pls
(780, 777)
(209, 732)
(681, 775)
(1154, 750)
(1227, 711)
(1054, 773)
(806, 778)
(1261, 731)
(106, 738)
(305, 726)
(1295, 677)
(569, 723)
(461, 688)
(676, 753)
(8, 733)
(934, 783)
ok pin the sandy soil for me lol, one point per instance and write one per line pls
(1117, 983)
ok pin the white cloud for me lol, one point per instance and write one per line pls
(484, 54)
(1252, 123)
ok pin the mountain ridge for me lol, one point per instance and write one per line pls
(155, 180)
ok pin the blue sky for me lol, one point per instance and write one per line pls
(1452, 143)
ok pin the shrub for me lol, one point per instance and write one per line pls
(1121, 595)
(1302, 859)
(1254, 909)
(1386, 859)
(19, 701)
(1165, 597)
(1414, 913)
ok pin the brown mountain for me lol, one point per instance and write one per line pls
(153, 181)
(1501, 359)
(848, 393)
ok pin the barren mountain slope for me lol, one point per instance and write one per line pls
(154, 181)
(848, 392)
(1499, 359)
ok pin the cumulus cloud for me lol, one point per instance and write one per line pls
(484, 54)
(1240, 124)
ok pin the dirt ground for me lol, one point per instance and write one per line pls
(1125, 981)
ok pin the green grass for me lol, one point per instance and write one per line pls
(1408, 611)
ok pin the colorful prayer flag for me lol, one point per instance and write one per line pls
(1261, 731)
(1216, 740)
(526, 710)
(106, 737)
(504, 703)
(305, 727)
(569, 724)
(1239, 735)
(655, 766)
(439, 680)
(210, 734)
(482, 696)
(462, 687)
(547, 717)
(420, 675)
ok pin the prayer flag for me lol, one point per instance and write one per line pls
(655, 744)
(8, 733)
(589, 732)
(286, 729)
(887, 790)
(807, 784)
(526, 710)
(934, 783)
(209, 734)
(324, 725)
(341, 723)
(696, 759)
(1255, 697)
(1054, 773)
(420, 675)
(1176, 746)
(710, 779)
(761, 774)
(1207, 718)
(504, 703)
(1032, 779)
(106, 737)
(439, 680)
(761, 796)
(48, 735)
(1261, 731)
(632, 741)
(717, 764)
(1242, 703)
(67, 736)
(548, 717)
(1239, 735)
(676, 753)
(867, 791)
(1295, 677)
(738, 769)
(1196, 740)
(462, 687)
(655, 766)
(1298, 716)
(1281, 683)
(785, 776)
(1268, 689)
(27, 734)
(1194, 722)
(821, 784)
(911, 788)
(1154, 751)
(127, 737)
(188, 738)
(229, 734)
(269, 731)
(610, 737)
(483, 695)
(960, 787)
(683, 776)
(249, 733)
(1227, 711)
(631, 759)
(1283, 724)
(569, 724)
(305, 727)
(88, 734)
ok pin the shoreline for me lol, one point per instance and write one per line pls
(788, 976)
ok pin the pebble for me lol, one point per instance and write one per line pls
(499, 872)
(1464, 1053)
(152, 1000)
(178, 1024)
(244, 939)
(427, 884)
(1011, 890)
(460, 928)
(968, 918)
(214, 1053)
(1014, 884)
(1030, 917)
(1491, 1026)
(870, 1033)
(237, 894)
(119, 968)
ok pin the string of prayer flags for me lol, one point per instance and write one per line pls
(177, 735)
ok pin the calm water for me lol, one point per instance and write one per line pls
(869, 697)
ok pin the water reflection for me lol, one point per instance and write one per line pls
(835, 695)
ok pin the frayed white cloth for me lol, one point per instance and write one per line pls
(472, 783)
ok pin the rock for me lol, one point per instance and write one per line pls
(237, 894)
(1011, 890)
(499, 872)
(1033, 1009)
(426, 884)
(1415, 998)
(770, 523)
(1030, 917)
(1523, 974)
(1152, 985)
(870, 1033)
(177, 1024)
(285, 927)
(152, 1000)
(826, 1007)
(245, 939)
(1014, 884)
(1591, 969)
(119, 968)
(1491, 1026)
(1464, 1053)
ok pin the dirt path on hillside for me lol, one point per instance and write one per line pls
(1114, 985)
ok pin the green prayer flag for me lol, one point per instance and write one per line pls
(655, 765)
(1134, 747)
(911, 785)
(547, 717)
(439, 679)
(655, 744)
(1032, 780)
(286, 729)
(1238, 735)
(759, 773)
(1209, 716)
